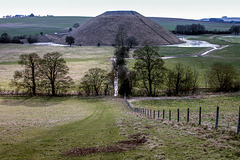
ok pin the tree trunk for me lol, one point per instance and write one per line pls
(177, 84)
(33, 81)
(53, 88)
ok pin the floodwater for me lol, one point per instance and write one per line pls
(194, 43)
(50, 44)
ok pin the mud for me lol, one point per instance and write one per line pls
(120, 146)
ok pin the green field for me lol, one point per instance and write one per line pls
(171, 23)
(228, 109)
(45, 128)
(35, 25)
(80, 59)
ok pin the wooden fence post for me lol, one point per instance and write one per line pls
(200, 115)
(187, 115)
(150, 113)
(169, 115)
(153, 114)
(163, 114)
(238, 126)
(217, 116)
(178, 115)
(158, 114)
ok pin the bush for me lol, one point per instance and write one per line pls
(5, 38)
(222, 78)
(181, 80)
(32, 39)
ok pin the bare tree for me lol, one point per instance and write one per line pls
(181, 80)
(28, 79)
(94, 81)
(149, 68)
(222, 77)
(132, 41)
(53, 71)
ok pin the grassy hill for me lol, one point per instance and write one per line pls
(35, 25)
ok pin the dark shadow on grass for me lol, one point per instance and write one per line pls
(45, 101)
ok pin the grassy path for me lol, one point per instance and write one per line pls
(98, 128)
(105, 122)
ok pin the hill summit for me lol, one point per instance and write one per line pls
(103, 29)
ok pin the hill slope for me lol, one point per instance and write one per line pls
(104, 28)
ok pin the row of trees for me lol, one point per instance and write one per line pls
(47, 75)
(151, 76)
(5, 38)
(197, 29)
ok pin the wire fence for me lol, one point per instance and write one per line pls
(212, 117)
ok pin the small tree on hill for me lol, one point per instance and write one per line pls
(131, 42)
(70, 40)
(235, 29)
(76, 25)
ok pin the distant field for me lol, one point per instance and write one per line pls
(171, 23)
(35, 25)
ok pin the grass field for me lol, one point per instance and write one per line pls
(171, 23)
(79, 59)
(35, 25)
(44, 128)
(228, 109)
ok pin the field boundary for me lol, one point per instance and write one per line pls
(162, 114)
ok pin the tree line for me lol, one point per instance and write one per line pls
(149, 76)
(5, 38)
(198, 29)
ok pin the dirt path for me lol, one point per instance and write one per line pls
(211, 37)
